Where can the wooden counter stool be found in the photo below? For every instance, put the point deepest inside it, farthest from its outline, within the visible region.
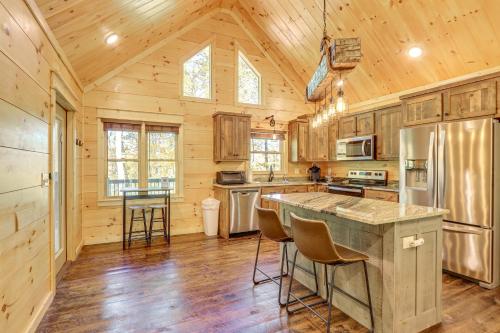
(314, 241)
(163, 219)
(272, 229)
(134, 218)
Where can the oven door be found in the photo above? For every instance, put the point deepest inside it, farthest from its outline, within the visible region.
(358, 148)
(353, 192)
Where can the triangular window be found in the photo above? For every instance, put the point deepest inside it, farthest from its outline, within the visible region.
(197, 75)
(249, 81)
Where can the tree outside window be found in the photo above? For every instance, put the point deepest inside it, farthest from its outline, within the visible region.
(266, 152)
(196, 75)
(249, 82)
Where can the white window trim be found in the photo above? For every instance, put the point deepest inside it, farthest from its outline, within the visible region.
(238, 50)
(142, 117)
(182, 60)
(284, 161)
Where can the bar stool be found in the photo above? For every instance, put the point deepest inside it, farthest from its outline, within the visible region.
(133, 218)
(272, 229)
(314, 241)
(163, 219)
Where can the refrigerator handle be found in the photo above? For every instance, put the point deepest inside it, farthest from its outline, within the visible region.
(441, 167)
(431, 181)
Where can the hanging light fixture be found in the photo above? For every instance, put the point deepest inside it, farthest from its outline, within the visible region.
(324, 114)
(341, 106)
(331, 107)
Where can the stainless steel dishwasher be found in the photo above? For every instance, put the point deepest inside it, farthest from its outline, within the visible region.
(243, 217)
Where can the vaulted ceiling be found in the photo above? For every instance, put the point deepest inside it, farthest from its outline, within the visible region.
(457, 36)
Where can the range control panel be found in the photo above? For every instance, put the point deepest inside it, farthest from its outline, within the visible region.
(367, 174)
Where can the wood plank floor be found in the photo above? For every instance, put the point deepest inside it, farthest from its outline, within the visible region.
(204, 285)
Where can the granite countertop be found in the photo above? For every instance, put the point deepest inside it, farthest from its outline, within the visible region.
(268, 184)
(370, 211)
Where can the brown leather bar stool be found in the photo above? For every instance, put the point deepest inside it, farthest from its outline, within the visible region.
(134, 218)
(272, 229)
(163, 219)
(314, 241)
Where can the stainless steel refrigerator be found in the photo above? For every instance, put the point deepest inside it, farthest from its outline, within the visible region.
(452, 165)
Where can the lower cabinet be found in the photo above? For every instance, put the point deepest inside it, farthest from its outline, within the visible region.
(381, 195)
(271, 190)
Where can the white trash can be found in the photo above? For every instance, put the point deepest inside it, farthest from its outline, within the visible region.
(210, 207)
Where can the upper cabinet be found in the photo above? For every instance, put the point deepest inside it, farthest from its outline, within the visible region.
(298, 131)
(356, 125)
(423, 109)
(317, 149)
(231, 136)
(471, 100)
(388, 123)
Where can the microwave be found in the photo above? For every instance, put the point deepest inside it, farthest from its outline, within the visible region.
(357, 148)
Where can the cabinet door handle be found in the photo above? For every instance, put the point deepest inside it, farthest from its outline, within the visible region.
(438, 115)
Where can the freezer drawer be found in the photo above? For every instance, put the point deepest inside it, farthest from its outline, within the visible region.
(468, 251)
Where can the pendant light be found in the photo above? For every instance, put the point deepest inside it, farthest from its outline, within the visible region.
(331, 107)
(324, 113)
(341, 106)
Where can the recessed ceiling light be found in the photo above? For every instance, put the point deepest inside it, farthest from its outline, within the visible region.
(415, 52)
(111, 39)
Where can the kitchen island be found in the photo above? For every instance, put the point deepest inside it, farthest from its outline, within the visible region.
(404, 244)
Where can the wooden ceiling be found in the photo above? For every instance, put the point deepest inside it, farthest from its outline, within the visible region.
(457, 36)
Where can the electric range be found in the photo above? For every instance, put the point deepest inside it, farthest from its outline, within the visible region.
(356, 180)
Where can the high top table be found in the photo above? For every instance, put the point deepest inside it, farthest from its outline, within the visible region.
(133, 193)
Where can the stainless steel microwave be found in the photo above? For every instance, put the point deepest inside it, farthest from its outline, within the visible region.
(357, 148)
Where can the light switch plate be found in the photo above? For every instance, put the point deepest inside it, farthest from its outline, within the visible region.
(45, 179)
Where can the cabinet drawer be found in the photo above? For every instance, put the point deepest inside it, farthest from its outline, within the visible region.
(272, 189)
(381, 195)
(296, 189)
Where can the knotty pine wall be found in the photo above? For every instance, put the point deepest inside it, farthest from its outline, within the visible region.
(26, 61)
(152, 85)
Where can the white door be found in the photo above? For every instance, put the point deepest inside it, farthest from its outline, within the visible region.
(59, 188)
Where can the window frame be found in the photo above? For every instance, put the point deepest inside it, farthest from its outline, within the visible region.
(239, 51)
(143, 118)
(184, 59)
(283, 153)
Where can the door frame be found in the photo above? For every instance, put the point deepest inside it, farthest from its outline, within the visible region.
(64, 95)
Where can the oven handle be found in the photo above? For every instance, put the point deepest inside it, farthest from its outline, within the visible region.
(343, 189)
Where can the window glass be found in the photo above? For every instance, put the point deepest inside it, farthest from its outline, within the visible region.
(122, 161)
(265, 153)
(196, 75)
(248, 82)
(162, 148)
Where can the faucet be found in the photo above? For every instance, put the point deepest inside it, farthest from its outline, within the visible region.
(271, 174)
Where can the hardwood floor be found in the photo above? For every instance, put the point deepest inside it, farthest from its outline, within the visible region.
(204, 285)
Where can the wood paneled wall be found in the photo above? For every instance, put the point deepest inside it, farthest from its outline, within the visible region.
(27, 62)
(153, 85)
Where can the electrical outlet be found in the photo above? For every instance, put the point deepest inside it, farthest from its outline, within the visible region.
(296, 171)
(329, 171)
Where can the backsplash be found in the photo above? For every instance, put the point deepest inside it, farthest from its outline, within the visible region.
(341, 168)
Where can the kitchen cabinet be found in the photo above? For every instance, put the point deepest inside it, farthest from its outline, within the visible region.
(388, 124)
(222, 194)
(365, 124)
(333, 135)
(321, 188)
(231, 136)
(296, 188)
(471, 100)
(317, 145)
(381, 195)
(347, 127)
(423, 109)
(357, 125)
(298, 140)
(271, 190)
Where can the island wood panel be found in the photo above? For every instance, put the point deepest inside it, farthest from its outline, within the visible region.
(103, 224)
(29, 64)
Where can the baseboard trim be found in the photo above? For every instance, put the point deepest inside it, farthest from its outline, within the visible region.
(37, 319)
